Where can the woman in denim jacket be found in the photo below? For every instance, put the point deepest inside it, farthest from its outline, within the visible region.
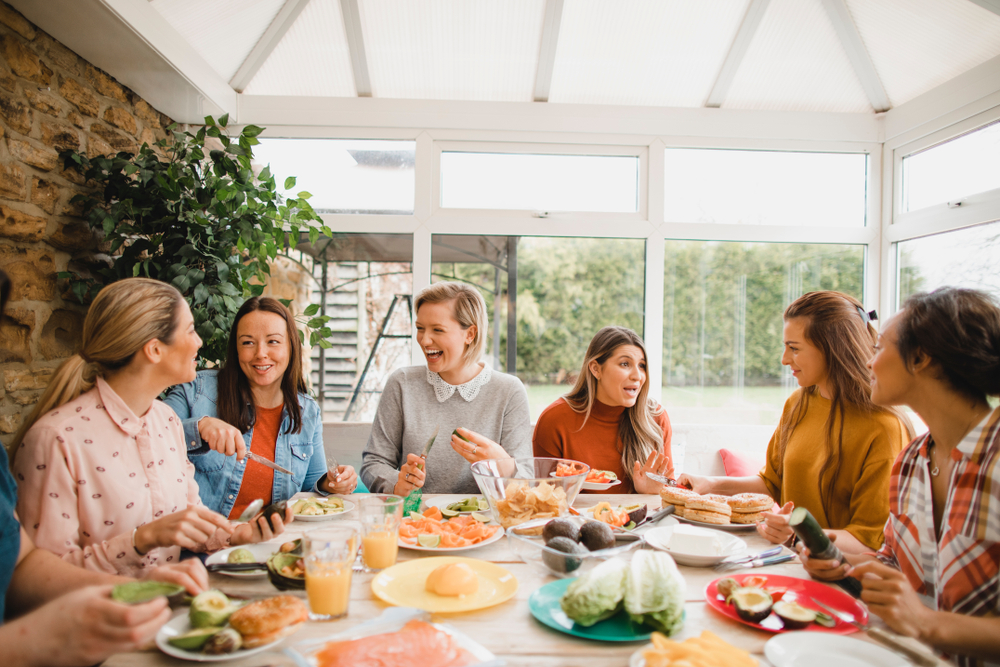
(256, 402)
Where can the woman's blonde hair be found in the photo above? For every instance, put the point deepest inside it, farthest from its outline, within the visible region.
(469, 309)
(125, 316)
(638, 430)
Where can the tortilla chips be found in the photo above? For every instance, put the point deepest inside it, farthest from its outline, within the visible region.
(523, 503)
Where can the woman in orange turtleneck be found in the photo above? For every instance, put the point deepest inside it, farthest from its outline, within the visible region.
(607, 420)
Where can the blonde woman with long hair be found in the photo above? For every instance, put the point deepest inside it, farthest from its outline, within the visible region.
(608, 420)
(833, 449)
(102, 470)
(454, 391)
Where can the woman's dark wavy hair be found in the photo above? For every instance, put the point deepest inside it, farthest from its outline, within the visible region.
(236, 405)
(960, 330)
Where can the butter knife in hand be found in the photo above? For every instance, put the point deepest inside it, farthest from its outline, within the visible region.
(270, 464)
(661, 479)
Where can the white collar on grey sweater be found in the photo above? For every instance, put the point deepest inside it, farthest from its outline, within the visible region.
(443, 391)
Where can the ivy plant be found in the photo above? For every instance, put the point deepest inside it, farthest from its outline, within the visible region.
(197, 218)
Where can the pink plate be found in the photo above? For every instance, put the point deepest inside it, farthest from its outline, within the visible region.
(799, 590)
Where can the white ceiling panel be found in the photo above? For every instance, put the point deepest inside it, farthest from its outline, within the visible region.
(312, 59)
(647, 52)
(919, 44)
(797, 63)
(223, 32)
(452, 49)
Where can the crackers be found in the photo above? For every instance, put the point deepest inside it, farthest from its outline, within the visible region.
(523, 503)
(743, 508)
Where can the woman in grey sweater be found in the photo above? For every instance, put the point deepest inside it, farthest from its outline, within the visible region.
(456, 390)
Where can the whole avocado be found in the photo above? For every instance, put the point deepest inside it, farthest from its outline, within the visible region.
(597, 535)
(275, 508)
(560, 528)
(558, 562)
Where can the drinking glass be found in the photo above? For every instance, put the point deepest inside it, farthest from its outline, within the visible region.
(329, 559)
(381, 515)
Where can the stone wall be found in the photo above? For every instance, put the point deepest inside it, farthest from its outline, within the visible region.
(50, 100)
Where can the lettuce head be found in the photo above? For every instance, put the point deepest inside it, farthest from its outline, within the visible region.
(655, 591)
(597, 594)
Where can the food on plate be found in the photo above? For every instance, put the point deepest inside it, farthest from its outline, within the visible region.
(709, 503)
(825, 620)
(601, 477)
(636, 513)
(138, 592)
(596, 536)
(556, 561)
(706, 650)
(523, 503)
(568, 469)
(241, 555)
(417, 643)
(289, 547)
(676, 495)
(650, 589)
(756, 581)
(715, 518)
(605, 514)
(695, 541)
(752, 604)
(193, 640)
(470, 504)
(750, 503)
(452, 580)
(747, 517)
(726, 587)
(793, 615)
(278, 508)
(210, 609)
(265, 621)
(286, 571)
(318, 506)
(561, 528)
(454, 533)
(223, 641)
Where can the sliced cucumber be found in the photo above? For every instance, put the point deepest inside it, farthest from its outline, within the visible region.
(825, 620)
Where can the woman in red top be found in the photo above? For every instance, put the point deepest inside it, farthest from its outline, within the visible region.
(607, 420)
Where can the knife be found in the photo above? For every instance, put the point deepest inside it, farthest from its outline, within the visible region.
(653, 518)
(235, 567)
(737, 561)
(270, 464)
(882, 637)
(774, 560)
(661, 479)
(430, 443)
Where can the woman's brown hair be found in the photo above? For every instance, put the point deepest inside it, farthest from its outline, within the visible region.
(836, 324)
(638, 430)
(235, 403)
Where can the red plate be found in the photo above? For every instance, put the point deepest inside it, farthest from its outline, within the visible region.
(800, 590)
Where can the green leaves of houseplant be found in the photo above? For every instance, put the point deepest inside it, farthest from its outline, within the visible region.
(191, 212)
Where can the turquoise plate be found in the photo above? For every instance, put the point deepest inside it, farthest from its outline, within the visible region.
(544, 605)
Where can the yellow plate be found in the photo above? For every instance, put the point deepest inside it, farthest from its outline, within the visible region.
(403, 585)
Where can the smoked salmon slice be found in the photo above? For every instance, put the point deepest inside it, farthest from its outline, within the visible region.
(417, 643)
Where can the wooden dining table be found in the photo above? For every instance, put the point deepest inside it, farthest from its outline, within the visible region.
(508, 629)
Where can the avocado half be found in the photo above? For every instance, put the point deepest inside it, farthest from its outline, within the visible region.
(752, 604)
(794, 615)
(280, 581)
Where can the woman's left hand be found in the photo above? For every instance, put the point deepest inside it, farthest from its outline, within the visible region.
(658, 464)
(258, 530)
(890, 596)
(190, 574)
(346, 480)
(476, 447)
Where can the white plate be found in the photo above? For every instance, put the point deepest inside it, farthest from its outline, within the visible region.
(261, 552)
(819, 649)
(594, 486)
(659, 538)
(348, 506)
(731, 527)
(416, 547)
(637, 659)
(179, 626)
(442, 502)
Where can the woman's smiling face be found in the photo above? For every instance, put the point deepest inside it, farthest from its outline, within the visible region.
(263, 346)
(621, 376)
(442, 338)
(807, 361)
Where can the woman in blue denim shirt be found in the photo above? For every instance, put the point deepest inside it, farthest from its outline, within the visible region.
(260, 382)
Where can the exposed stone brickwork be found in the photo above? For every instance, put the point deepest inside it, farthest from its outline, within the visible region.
(50, 100)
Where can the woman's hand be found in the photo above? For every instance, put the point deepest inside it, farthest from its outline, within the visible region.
(476, 447)
(658, 464)
(343, 480)
(188, 528)
(697, 483)
(222, 437)
(775, 526)
(190, 574)
(259, 530)
(411, 475)
(890, 596)
(824, 570)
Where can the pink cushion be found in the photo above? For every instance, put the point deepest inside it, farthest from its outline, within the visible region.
(740, 465)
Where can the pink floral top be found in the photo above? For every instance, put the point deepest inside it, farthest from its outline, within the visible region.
(90, 471)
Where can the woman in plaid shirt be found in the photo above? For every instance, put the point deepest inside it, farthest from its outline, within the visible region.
(940, 355)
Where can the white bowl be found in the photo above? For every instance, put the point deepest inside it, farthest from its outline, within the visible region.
(659, 538)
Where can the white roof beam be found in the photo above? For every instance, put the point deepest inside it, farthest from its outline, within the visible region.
(547, 49)
(356, 45)
(755, 12)
(266, 44)
(850, 38)
(989, 5)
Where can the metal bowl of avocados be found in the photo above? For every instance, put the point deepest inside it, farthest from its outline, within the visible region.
(138, 592)
(283, 582)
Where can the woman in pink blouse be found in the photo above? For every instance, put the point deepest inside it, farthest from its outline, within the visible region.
(102, 471)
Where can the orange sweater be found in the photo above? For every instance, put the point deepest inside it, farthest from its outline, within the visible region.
(259, 479)
(558, 433)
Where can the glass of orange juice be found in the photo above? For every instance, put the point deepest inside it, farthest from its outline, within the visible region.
(329, 559)
(381, 515)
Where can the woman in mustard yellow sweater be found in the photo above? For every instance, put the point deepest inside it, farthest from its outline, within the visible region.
(833, 449)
